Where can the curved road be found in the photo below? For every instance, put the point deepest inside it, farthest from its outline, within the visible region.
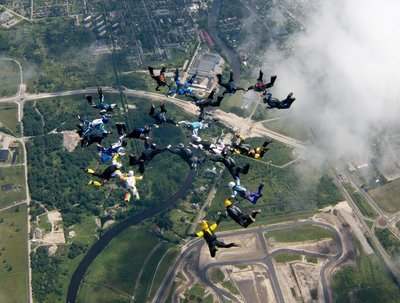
(98, 247)
(266, 260)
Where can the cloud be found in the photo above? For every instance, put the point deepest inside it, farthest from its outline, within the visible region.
(344, 70)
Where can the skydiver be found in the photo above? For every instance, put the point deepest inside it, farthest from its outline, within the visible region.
(103, 106)
(151, 150)
(241, 147)
(160, 79)
(275, 103)
(86, 126)
(207, 233)
(136, 132)
(195, 126)
(260, 86)
(238, 189)
(115, 148)
(92, 131)
(233, 169)
(130, 183)
(187, 154)
(160, 117)
(238, 216)
(230, 87)
(203, 145)
(181, 88)
(203, 103)
(113, 171)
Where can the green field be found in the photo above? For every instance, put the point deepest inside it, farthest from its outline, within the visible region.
(12, 175)
(163, 266)
(9, 118)
(9, 78)
(299, 234)
(364, 206)
(287, 126)
(285, 257)
(117, 268)
(216, 275)
(368, 282)
(44, 223)
(13, 255)
(387, 196)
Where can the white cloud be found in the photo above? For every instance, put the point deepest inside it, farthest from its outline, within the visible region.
(344, 70)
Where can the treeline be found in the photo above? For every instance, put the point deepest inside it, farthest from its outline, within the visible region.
(32, 121)
(388, 241)
(45, 271)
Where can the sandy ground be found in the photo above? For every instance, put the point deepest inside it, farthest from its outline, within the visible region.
(56, 236)
(307, 277)
(253, 283)
(70, 140)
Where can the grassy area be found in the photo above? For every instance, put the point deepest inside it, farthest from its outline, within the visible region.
(9, 118)
(311, 259)
(287, 126)
(12, 175)
(285, 257)
(367, 282)
(231, 287)
(195, 293)
(299, 234)
(216, 275)
(163, 267)
(118, 266)
(364, 206)
(369, 223)
(387, 195)
(44, 223)
(9, 78)
(13, 255)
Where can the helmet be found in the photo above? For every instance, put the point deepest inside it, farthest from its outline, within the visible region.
(153, 146)
(204, 224)
(130, 173)
(180, 145)
(231, 184)
(124, 143)
(227, 203)
(105, 119)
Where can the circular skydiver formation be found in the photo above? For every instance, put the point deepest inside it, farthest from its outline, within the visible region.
(95, 131)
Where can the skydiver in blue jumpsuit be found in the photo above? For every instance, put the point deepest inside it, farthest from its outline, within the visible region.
(181, 88)
(103, 106)
(160, 117)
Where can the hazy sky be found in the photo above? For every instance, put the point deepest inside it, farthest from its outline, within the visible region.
(344, 71)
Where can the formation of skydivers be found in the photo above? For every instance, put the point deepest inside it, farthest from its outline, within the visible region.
(95, 131)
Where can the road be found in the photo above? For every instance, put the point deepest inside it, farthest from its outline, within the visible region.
(266, 260)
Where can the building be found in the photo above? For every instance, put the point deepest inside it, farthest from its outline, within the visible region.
(4, 155)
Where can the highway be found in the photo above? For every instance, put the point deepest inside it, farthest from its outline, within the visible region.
(266, 260)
